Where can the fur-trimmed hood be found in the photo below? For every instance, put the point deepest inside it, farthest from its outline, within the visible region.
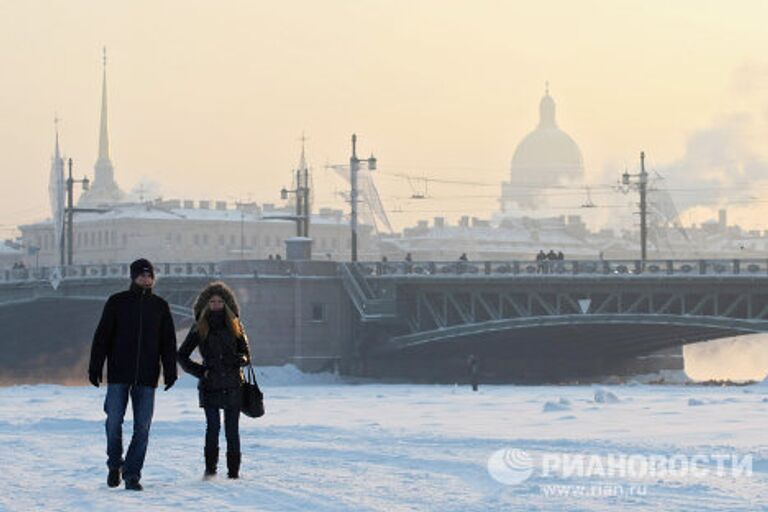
(222, 290)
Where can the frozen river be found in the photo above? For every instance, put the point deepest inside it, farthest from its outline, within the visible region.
(329, 446)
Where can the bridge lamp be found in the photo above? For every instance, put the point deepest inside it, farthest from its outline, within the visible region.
(86, 184)
(625, 178)
(283, 194)
(372, 162)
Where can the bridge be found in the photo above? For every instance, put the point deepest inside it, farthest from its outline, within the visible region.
(561, 317)
(549, 320)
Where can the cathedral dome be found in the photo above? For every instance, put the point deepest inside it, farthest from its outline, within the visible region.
(546, 157)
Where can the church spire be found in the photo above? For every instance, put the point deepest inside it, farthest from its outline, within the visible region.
(56, 192)
(56, 151)
(104, 189)
(103, 132)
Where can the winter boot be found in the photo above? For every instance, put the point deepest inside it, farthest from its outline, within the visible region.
(113, 478)
(233, 464)
(211, 460)
(132, 484)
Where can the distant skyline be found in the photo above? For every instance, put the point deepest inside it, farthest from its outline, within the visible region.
(209, 100)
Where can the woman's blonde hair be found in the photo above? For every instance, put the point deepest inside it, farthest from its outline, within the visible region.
(233, 323)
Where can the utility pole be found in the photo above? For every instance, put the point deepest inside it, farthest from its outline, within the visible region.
(639, 181)
(643, 208)
(299, 208)
(305, 203)
(70, 210)
(244, 208)
(70, 214)
(242, 233)
(302, 203)
(354, 167)
(354, 162)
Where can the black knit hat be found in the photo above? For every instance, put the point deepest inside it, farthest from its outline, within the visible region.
(140, 266)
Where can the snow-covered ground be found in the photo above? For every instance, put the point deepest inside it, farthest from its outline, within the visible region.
(328, 445)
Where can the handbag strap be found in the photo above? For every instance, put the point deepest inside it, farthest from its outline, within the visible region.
(250, 375)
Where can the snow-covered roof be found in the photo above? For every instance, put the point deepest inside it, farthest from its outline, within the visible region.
(150, 212)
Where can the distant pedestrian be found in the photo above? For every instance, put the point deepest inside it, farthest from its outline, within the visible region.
(551, 255)
(136, 337)
(463, 257)
(560, 255)
(473, 368)
(408, 258)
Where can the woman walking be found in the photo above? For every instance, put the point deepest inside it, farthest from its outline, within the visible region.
(222, 343)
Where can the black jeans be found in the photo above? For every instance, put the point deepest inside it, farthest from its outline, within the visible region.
(231, 428)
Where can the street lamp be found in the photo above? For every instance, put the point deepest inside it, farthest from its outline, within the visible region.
(639, 182)
(354, 167)
(302, 202)
(70, 210)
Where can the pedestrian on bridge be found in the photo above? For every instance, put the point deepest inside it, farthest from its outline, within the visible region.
(135, 336)
(222, 343)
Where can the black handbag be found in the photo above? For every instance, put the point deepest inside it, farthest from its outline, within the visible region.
(252, 403)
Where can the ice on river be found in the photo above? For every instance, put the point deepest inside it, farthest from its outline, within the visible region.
(328, 445)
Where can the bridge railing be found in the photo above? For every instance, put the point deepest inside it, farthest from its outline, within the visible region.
(722, 267)
(106, 271)
(567, 267)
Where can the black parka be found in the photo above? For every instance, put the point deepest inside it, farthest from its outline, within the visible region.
(224, 354)
(135, 335)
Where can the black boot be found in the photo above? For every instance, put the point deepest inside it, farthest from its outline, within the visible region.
(233, 464)
(113, 478)
(133, 484)
(211, 460)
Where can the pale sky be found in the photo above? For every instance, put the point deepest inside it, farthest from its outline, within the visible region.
(208, 99)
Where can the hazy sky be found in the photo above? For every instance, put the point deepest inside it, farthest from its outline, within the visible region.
(209, 99)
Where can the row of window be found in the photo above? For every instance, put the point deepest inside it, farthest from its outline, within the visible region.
(83, 239)
(252, 241)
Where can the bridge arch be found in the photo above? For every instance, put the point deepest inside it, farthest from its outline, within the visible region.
(627, 333)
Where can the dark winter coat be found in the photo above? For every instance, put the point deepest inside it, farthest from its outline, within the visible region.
(223, 353)
(135, 335)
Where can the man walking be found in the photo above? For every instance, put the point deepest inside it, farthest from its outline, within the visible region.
(135, 335)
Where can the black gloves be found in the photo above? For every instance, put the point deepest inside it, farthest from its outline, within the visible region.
(94, 377)
(169, 384)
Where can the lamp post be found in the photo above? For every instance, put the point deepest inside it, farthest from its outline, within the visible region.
(639, 181)
(302, 201)
(354, 167)
(70, 210)
(243, 207)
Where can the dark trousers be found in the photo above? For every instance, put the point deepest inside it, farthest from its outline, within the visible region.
(143, 402)
(231, 428)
